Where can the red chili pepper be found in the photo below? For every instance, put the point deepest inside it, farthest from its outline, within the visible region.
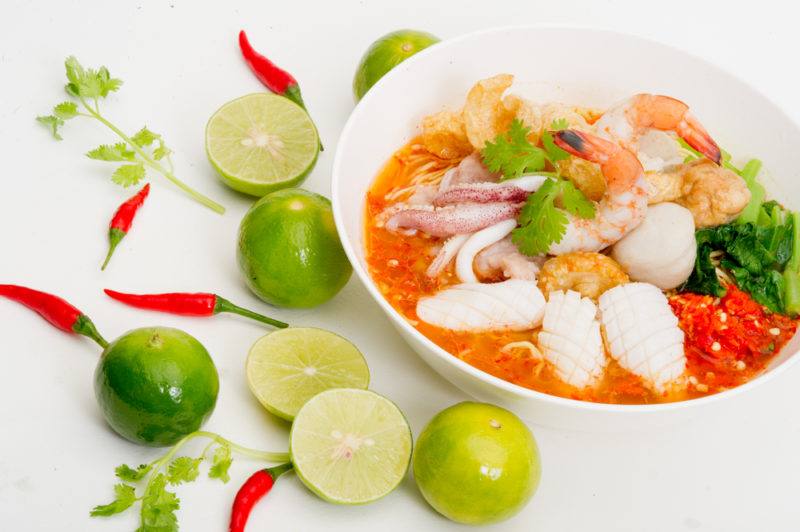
(195, 304)
(123, 219)
(271, 75)
(55, 310)
(254, 488)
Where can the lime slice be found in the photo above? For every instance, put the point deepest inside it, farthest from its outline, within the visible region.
(261, 142)
(288, 367)
(350, 446)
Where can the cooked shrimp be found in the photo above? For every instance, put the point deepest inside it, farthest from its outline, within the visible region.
(590, 274)
(629, 121)
(503, 259)
(623, 204)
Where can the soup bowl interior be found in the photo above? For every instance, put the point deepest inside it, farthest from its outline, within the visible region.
(571, 65)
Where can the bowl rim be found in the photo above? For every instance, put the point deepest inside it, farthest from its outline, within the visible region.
(506, 386)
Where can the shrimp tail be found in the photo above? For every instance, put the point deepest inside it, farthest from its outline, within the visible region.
(584, 145)
(698, 138)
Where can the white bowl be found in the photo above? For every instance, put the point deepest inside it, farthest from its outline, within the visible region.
(585, 66)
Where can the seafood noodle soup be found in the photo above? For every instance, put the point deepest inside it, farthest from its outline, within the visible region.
(611, 255)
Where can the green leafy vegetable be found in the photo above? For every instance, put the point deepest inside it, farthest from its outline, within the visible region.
(512, 154)
(125, 496)
(129, 474)
(145, 148)
(158, 503)
(542, 223)
(757, 192)
(221, 464)
(554, 153)
(753, 255)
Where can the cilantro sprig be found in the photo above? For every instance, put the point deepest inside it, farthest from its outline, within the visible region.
(138, 153)
(543, 219)
(158, 502)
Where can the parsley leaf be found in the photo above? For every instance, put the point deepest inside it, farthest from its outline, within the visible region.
(117, 152)
(159, 506)
(183, 469)
(129, 474)
(53, 123)
(512, 154)
(221, 463)
(542, 223)
(554, 153)
(125, 497)
(128, 174)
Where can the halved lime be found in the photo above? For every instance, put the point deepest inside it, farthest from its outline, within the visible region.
(350, 446)
(288, 367)
(261, 142)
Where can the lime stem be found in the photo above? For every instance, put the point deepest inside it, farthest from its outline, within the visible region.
(155, 165)
(223, 305)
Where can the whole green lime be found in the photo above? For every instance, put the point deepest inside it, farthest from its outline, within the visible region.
(156, 385)
(385, 54)
(289, 251)
(476, 463)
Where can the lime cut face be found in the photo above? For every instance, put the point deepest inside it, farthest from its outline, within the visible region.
(288, 367)
(261, 142)
(350, 446)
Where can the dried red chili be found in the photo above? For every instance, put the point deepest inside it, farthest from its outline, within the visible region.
(55, 310)
(189, 304)
(123, 219)
(252, 491)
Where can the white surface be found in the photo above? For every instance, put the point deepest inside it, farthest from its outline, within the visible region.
(735, 471)
(389, 116)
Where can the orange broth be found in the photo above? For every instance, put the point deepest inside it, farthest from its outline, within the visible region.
(397, 264)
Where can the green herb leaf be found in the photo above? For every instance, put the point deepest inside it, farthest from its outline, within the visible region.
(128, 174)
(88, 82)
(66, 110)
(145, 137)
(161, 151)
(117, 152)
(125, 497)
(542, 223)
(129, 474)
(512, 154)
(574, 202)
(183, 469)
(554, 153)
(159, 506)
(53, 123)
(221, 463)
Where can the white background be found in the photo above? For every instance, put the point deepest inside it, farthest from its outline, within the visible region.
(737, 471)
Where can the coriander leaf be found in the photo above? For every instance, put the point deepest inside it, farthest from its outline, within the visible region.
(107, 83)
(117, 152)
(125, 497)
(221, 463)
(159, 506)
(183, 469)
(541, 223)
(161, 151)
(75, 75)
(53, 123)
(145, 137)
(574, 202)
(554, 153)
(129, 474)
(66, 110)
(512, 154)
(128, 174)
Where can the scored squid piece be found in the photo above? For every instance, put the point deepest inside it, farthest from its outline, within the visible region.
(513, 305)
(513, 190)
(452, 220)
(643, 333)
(570, 339)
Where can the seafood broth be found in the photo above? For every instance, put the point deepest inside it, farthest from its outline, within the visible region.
(398, 264)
